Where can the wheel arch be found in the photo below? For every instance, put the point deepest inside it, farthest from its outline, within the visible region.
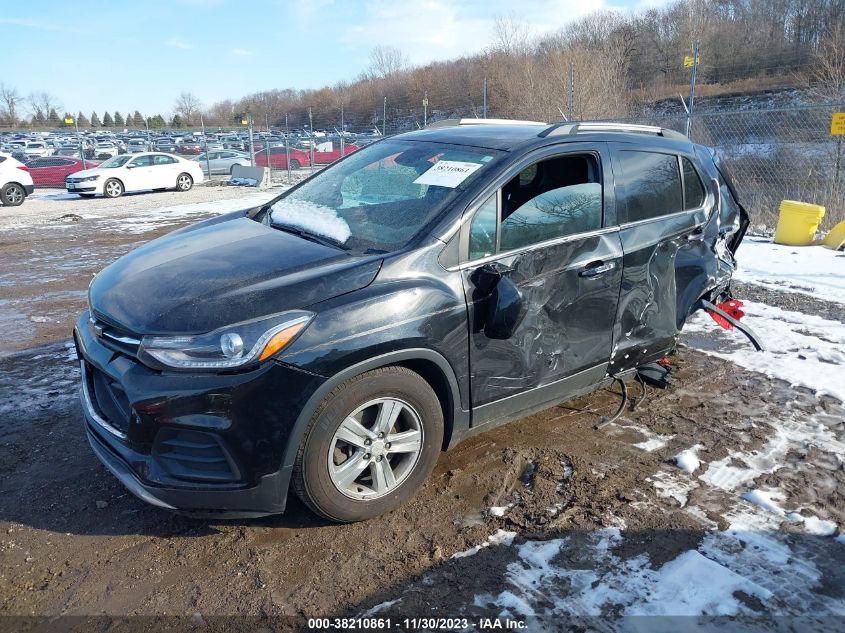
(429, 364)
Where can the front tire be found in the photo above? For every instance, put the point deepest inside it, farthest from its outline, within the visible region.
(295, 164)
(370, 445)
(184, 182)
(12, 195)
(112, 188)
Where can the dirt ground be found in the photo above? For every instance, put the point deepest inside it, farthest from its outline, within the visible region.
(73, 541)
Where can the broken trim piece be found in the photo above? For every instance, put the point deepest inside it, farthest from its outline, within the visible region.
(749, 333)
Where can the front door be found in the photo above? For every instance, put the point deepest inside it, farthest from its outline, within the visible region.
(547, 232)
(138, 172)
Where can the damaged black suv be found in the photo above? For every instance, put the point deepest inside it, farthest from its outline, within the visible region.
(427, 287)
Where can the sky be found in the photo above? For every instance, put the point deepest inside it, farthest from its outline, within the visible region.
(129, 54)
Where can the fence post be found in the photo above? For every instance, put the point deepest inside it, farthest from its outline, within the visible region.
(485, 97)
(342, 132)
(311, 143)
(571, 101)
(384, 118)
(205, 141)
(267, 147)
(287, 146)
(692, 87)
(425, 109)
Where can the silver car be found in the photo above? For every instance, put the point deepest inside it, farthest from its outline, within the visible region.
(222, 161)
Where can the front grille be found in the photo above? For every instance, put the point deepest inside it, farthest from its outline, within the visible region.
(194, 456)
(115, 338)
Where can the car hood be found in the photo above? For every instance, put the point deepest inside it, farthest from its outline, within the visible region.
(220, 273)
(85, 173)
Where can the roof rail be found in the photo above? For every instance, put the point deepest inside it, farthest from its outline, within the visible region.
(457, 122)
(561, 129)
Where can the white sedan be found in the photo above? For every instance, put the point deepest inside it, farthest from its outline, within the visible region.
(135, 172)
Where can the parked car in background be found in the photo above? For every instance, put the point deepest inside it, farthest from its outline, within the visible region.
(164, 145)
(136, 172)
(51, 171)
(222, 161)
(71, 151)
(105, 150)
(326, 153)
(137, 145)
(278, 158)
(15, 181)
(190, 148)
(38, 148)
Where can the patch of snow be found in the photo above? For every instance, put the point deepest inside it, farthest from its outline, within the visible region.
(311, 217)
(766, 499)
(814, 525)
(802, 349)
(498, 511)
(671, 486)
(653, 441)
(812, 270)
(499, 537)
(378, 608)
(687, 460)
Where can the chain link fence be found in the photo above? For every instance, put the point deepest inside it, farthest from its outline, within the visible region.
(774, 155)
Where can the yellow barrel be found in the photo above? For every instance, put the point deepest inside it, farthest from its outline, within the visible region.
(797, 223)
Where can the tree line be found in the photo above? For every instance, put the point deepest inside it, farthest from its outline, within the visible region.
(606, 64)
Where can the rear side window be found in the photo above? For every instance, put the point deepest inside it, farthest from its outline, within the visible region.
(2, 158)
(650, 185)
(693, 189)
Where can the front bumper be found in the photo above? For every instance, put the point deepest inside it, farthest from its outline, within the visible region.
(201, 443)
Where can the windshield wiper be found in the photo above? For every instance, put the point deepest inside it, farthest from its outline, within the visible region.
(308, 235)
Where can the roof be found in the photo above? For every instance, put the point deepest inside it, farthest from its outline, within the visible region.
(505, 136)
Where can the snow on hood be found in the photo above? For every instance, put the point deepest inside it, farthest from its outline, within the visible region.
(311, 217)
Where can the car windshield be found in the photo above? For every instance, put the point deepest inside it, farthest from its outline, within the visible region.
(117, 161)
(382, 196)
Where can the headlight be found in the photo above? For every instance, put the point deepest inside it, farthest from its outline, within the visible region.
(229, 347)
(88, 179)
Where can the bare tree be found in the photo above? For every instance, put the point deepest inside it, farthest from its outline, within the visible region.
(386, 62)
(828, 78)
(10, 99)
(187, 107)
(511, 35)
(41, 103)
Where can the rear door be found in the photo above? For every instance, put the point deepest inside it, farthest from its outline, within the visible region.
(663, 205)
(548, 229)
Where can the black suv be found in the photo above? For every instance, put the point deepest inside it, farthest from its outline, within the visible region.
(427, 287)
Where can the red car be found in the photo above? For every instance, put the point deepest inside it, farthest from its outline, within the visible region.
(190, 148)
(50, 171)
(278, 158)
(330, 156)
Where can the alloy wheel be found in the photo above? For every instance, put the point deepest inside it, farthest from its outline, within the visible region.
(375, 448)
(14, 195)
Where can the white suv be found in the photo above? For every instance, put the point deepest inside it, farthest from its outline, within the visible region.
(15, 181)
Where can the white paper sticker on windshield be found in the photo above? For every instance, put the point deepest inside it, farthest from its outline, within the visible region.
(448, 173)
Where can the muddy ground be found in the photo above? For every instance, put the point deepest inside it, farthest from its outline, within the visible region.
(73, 541)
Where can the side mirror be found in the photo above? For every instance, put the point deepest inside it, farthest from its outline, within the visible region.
(505, 310)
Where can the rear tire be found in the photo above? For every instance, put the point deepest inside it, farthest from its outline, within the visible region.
(386, 426)
(12, 195)
(184, 182)
(113, 188)
(295, 164)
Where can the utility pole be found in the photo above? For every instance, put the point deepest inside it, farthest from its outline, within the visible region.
(287, 145)
(571, 104)
(205, 140)
(79, 140)
(342, 132)
(384, 119)
(251, 142)
(311, 144)
(485, 97)
(425, 109)
(267, 147)
(692, 86)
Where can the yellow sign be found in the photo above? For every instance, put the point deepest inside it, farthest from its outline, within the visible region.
(244, 121)
(68, 120)
(688, 61)
(837, 124)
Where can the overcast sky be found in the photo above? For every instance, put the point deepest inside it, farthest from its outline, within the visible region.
(123, 55)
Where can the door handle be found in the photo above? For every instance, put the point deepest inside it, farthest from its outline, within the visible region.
(596, 268)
